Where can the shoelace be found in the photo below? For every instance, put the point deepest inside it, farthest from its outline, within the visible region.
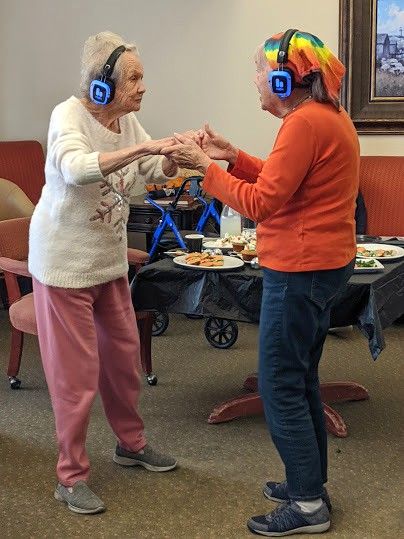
(272, 515)
(282, 517)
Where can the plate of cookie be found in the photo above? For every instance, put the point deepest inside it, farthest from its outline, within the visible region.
(208, 261)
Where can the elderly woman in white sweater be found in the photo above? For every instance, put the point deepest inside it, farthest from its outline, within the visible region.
(98, 156)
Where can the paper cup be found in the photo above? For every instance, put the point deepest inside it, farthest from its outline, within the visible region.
(194, 242)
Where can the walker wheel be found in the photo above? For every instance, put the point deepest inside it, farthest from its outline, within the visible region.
(151, 379)
(221, 333)
(15, 383)
(160, 324)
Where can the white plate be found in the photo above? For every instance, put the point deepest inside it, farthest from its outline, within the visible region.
(173, 254)
(395, 238)
(238, 255)
(229, 263)
(398, 251)
(378, 266)
(214, 244)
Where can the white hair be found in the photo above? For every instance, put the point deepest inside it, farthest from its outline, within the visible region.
(96, 51)
(259, 56)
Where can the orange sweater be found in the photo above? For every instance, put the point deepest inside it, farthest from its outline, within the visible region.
(303, 196)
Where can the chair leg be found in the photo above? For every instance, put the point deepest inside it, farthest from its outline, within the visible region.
(3, 293)
(17, 342)
(145, 326)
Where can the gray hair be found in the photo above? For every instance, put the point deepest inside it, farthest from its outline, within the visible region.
(259, 56)
(96, 51)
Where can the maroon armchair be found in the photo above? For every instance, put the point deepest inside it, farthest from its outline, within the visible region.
(23, 163)
(13, 262)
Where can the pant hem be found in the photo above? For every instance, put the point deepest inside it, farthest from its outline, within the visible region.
(127, 448)
(69, 484)
(305, 498)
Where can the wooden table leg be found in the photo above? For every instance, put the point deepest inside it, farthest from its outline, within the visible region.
(343, 392)
(244, 406)
(334, 422)
(251, 404)
(251, 382)
(330, 391)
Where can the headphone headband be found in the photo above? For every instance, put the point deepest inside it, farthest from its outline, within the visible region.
(110, 63)
(284, 46)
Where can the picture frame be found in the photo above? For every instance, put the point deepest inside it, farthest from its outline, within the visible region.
(371, 59)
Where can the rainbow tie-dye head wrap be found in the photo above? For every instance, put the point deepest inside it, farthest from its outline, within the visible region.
(308, 54)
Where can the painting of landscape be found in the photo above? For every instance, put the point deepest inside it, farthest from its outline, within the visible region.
(389, 49)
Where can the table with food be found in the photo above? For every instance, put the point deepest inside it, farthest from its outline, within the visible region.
(372, 300)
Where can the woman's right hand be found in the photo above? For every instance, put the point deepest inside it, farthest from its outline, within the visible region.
(217, 147)
(153, 147)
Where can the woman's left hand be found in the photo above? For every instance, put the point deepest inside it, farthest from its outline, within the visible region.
(187, 154)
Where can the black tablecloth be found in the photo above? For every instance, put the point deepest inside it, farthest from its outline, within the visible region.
(371, 301)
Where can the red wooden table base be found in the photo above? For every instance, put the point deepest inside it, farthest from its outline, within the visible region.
(251, 404)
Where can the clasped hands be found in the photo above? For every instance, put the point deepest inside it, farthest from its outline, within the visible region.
(195, 149)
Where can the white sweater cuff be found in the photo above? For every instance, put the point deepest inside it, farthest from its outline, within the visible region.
(93, 171)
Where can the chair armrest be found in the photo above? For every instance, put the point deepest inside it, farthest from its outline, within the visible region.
(137, 257)
(19, 267)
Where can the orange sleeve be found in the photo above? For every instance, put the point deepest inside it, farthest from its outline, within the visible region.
(280, 177)
(247, 167)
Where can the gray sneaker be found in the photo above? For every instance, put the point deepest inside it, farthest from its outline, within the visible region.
(147, 457)
(278, 492)
(79, 498)
(288, 519)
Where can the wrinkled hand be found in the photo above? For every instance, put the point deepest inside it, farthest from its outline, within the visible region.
(216, 146)
(169, 166)
(154, 147)
(186, 153)
(196, 136)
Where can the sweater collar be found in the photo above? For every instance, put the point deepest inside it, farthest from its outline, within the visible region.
(104, 131)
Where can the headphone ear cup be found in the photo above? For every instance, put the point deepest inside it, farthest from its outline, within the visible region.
(281, 82)
(102, 91)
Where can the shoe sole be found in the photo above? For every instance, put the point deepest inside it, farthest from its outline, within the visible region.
(78, 510)
(316, 528)
(126, 461)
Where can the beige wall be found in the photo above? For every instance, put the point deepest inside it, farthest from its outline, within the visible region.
(197, 57)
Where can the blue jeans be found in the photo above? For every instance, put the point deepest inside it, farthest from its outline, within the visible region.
(295, 318)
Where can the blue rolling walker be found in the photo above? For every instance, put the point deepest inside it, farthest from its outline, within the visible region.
(219, 332)
(167, 221)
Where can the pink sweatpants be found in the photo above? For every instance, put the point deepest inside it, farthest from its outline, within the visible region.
(89, 340)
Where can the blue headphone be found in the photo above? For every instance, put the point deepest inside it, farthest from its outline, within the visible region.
(282, 81)
(102, 90)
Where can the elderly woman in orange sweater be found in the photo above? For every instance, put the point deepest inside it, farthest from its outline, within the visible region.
(303, 197)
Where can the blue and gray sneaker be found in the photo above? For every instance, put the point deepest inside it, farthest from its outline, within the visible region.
(278, 492)
(288, 519)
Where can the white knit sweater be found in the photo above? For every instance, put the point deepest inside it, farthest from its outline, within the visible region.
(78, 229)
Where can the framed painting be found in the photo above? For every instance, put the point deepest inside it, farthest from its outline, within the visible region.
(372, 48)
